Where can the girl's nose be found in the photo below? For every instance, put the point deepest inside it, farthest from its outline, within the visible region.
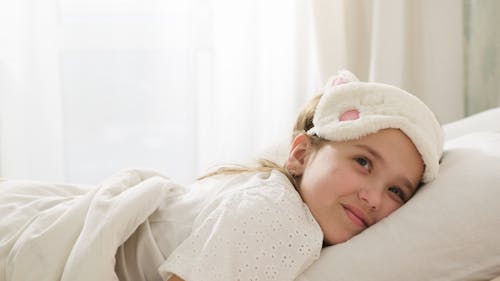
(371, 196)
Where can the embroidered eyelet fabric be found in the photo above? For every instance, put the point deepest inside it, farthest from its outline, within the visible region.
(257, 233)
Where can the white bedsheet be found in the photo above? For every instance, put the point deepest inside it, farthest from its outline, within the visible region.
(72, 232)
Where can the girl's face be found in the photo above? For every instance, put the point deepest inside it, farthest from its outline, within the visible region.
(351, 185)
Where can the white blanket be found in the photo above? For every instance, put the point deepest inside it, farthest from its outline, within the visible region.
(70, 232)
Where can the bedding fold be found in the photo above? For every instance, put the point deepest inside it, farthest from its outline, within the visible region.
(72, 232)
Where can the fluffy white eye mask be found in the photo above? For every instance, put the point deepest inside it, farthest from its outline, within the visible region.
(350, 109)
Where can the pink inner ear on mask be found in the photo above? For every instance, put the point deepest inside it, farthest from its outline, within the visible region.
(349, 115)
(339, 81)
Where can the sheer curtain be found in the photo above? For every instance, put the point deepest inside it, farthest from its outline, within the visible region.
(91, 87)
(446, 52)
(416, 45)
(30, 104)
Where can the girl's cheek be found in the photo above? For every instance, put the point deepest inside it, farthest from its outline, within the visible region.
(391, 206)
(354, 178)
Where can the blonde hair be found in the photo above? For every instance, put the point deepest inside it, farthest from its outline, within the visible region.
(304, 120)
(303, 123)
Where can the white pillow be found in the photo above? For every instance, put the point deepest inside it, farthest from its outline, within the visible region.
(482, 121)
(450, 230)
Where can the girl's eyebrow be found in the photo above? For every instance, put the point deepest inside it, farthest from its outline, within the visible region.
(371, 151)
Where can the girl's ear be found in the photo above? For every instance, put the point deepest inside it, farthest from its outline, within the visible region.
(301, 145)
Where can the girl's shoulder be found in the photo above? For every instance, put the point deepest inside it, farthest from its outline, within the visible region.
(271, 191)
(269, 183)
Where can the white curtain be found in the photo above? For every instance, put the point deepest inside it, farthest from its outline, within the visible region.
(416, 45)
(30, 104)
(88, 87)
(91, 87)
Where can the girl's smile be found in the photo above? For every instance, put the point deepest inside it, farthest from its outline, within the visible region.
(356, 215)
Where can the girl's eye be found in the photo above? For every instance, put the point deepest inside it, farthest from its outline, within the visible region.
(398, 191)
(365, 163)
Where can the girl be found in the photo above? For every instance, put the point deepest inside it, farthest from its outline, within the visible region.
(359, 152)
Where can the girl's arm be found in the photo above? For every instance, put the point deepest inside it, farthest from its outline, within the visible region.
(175, 278)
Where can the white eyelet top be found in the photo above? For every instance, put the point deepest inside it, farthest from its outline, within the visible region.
(250, 226)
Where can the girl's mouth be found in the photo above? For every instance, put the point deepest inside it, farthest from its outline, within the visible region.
(356, 216)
